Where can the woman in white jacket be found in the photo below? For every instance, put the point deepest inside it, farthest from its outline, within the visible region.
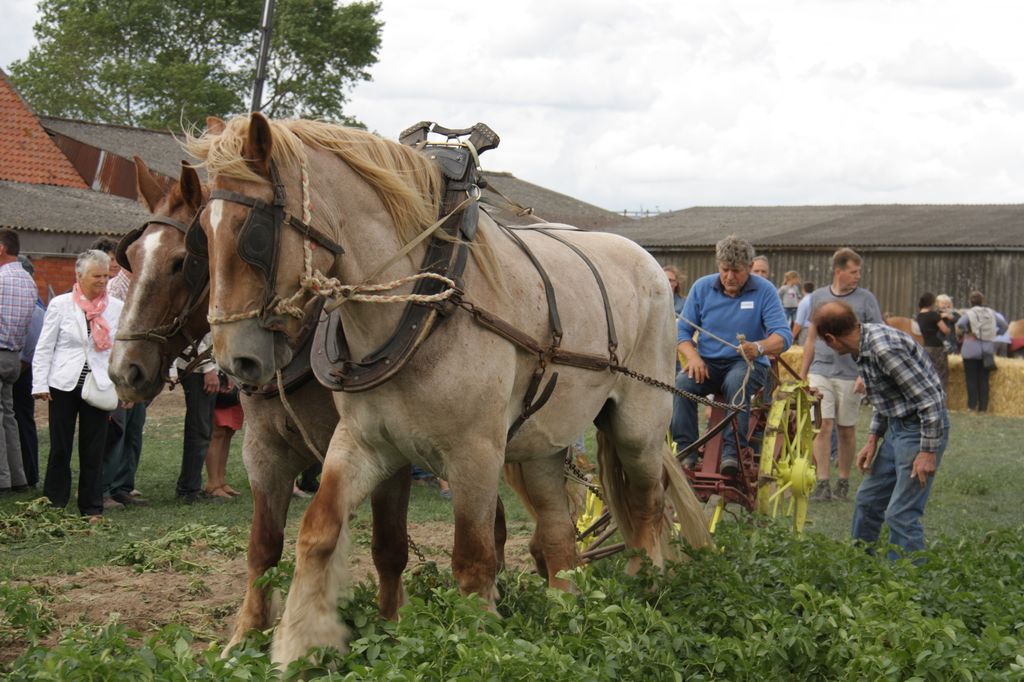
(76, 338)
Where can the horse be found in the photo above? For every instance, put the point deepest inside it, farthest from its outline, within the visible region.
(164, 312)
(354, 199)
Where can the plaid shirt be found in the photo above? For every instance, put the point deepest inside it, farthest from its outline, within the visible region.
(118, 287)
(901, 382)
(18, 295)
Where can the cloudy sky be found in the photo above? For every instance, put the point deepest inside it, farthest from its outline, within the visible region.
(665, 104)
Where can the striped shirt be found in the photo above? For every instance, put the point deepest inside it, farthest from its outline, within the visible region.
(901, 382)
(17, 300)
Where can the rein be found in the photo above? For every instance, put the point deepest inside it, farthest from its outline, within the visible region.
(737, 397)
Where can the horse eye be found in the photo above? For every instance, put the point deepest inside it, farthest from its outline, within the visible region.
(176, 265)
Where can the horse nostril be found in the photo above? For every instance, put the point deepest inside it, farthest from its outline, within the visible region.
(247, 368)
(135, 375)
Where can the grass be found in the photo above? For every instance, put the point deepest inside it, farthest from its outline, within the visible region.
(978, 488)
(158, 471)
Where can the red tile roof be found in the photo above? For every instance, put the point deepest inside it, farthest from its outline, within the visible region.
(27, 154)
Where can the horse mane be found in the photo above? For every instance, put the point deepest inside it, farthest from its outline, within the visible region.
(407, 183)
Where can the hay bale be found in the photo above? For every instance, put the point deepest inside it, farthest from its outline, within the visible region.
(1005, 386)
(1016, 329)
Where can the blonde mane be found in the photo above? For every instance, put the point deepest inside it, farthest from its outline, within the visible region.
(406, 181)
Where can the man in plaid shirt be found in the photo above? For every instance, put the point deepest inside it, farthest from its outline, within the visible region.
(910, 417)
(17, 302)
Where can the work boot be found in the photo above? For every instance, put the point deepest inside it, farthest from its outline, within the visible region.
(111, 503)
(822, 492)
(842, 491)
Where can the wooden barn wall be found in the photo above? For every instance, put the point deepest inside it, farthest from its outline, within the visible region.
(897, 278)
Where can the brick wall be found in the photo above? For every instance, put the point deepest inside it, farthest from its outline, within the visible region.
(57, 272)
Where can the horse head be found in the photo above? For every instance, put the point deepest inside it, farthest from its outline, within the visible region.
(166, 304)
(284, 197)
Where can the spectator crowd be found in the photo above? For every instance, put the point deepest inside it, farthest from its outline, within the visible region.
(59, 353)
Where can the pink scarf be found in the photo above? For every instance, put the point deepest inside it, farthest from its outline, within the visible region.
(94, 313)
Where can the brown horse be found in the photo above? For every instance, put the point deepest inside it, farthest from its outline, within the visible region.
(453, 403)
(272, 448)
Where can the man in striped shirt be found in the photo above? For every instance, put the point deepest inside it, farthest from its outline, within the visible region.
(910, 418)
(17, 302)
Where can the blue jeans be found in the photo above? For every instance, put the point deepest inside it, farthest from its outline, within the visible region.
(122, 460)
(889, 494)
(725, 377)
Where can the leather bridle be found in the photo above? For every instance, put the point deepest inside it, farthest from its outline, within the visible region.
(195, 269)
(259, 243)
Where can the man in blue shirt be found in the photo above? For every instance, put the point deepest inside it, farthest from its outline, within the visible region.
(745, 312)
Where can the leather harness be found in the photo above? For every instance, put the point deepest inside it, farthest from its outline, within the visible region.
(331, 359)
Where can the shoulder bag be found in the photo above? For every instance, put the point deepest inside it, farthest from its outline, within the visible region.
(101, 398)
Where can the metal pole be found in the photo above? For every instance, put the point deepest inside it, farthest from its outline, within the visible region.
(261, 65)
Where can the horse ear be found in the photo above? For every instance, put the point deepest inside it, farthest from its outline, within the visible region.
(190, 186)
(258, 145)
(214, 125)
(150, 190)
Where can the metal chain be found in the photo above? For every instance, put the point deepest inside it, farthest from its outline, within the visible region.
(573, 472)
(671, 389)
(416, 549)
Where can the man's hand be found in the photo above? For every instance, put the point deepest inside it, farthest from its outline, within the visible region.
(866, 456)
(924, 466)
(697, 370)
(749, 350)
(858, 386)
(211, 384)
(41, 396)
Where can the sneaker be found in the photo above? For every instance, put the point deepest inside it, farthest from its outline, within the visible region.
(822, 492)
(730, 466)
(842, 491)
(111, 503)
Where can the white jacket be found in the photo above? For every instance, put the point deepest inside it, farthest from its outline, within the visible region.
(60, 351)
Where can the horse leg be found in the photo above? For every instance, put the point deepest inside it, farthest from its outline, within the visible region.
(474, 557)
(631, 475)
(271, 468)
(390, 546)
(310, 616)
(541, 487)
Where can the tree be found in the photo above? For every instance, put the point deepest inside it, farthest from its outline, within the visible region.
(159, 63)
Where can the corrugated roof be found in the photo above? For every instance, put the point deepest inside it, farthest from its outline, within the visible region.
(158, 148)
(27, 154)
(897, 225)
(46, 208)
(547, 204)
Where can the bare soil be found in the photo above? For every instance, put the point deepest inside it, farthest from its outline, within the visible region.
(205, 602)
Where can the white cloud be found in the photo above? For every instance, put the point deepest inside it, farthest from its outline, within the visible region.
(628, 104)
(946, 66)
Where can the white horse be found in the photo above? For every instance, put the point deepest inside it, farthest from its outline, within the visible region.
(451, 406)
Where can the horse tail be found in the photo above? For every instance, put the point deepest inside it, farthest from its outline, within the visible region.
(689, 515)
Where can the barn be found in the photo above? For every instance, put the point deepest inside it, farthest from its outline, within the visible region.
(63, 183)
(907, 249)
